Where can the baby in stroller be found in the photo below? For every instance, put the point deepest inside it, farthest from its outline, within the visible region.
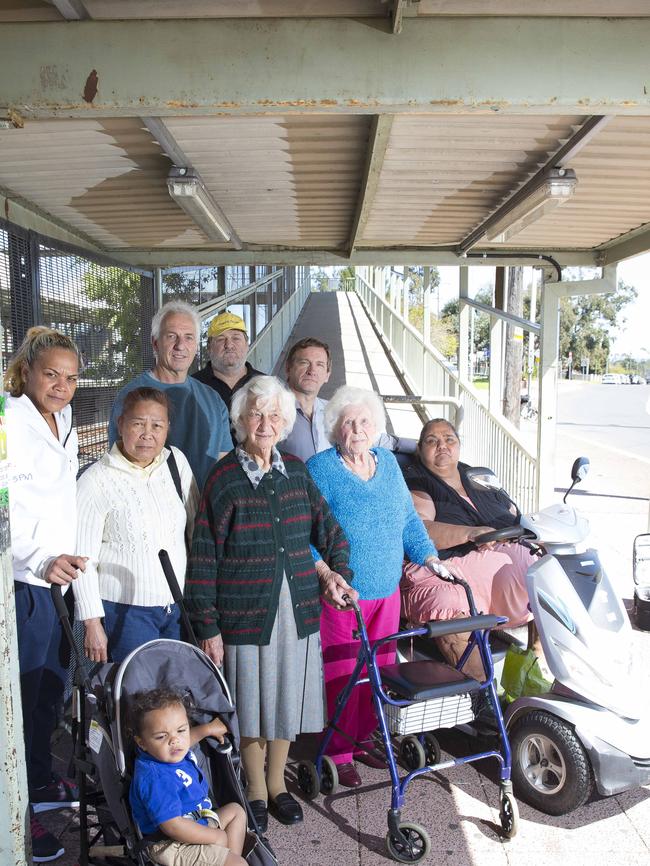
(169, 793)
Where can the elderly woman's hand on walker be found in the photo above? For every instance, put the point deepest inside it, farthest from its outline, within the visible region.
(333, 587)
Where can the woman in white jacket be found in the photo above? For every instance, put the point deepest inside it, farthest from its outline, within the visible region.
(41, 380)
(130, 504)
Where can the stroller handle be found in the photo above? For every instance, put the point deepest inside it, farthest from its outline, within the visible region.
(59, 602)
(177, 595)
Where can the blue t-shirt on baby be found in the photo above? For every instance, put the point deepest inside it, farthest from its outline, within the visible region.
(161, 791)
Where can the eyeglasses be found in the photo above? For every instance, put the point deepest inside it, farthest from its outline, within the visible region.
(256, 415)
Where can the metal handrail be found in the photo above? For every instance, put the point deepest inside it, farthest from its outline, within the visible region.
(216, 305)
(490, 440)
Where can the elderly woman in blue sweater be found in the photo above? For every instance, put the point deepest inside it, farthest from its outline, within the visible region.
(366, 492)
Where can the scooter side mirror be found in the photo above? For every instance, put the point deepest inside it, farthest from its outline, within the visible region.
(482, 478)
(579, 469)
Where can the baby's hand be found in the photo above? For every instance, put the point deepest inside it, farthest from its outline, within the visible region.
(216, 729)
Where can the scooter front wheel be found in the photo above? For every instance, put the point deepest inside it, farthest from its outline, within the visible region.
(550, 768)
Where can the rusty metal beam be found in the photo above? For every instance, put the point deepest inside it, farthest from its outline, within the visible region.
(243, 67)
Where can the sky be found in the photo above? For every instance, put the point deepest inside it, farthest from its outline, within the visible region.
(632, 338)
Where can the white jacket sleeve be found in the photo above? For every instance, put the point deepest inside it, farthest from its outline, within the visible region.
(91, 518)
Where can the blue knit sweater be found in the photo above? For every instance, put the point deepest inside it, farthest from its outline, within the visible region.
(377, 517)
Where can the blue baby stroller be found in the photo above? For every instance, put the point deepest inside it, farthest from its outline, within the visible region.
(102, 755)
(414, 698)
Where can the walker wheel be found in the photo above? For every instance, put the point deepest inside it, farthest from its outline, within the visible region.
(411, 753)
(410, 845)
(432, 750)
(508, 814)
(308, 780)
(329, 780)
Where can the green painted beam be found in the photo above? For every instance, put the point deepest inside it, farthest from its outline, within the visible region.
(277, 256)
(631, 244)
(516, 65)
(24, 214)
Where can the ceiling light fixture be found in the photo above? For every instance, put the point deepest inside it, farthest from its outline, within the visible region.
(188, 191)
(555, 187)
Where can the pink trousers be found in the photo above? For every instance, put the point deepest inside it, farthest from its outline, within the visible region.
(340, 652)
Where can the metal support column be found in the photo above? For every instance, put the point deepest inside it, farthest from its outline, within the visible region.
(464, 312)
(14, 807)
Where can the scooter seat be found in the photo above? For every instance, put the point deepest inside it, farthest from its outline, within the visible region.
(421, 680)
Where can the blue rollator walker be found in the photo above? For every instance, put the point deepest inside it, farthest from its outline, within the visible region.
(417, 697)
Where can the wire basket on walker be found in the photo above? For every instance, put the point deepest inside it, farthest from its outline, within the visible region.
(412, 699)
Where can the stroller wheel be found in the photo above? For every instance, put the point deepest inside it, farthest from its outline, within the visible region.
(329, 780)
(411, 753)
(432, 750)
(308, 780)
(410, 846)
(508, 814)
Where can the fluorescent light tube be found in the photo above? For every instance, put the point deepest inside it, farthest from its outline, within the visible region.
(555, 188)
(188, 191)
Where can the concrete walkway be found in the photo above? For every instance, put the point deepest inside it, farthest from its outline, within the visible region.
(459, 808)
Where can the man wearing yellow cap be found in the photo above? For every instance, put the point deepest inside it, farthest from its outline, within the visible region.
(228, 368)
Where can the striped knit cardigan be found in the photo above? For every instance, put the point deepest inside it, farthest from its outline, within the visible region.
(246, 539)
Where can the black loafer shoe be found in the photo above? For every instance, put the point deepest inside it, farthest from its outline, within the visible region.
(285, 809)
(260, 813)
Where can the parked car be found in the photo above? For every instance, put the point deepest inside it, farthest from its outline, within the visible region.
(638, 380)
(610, 379)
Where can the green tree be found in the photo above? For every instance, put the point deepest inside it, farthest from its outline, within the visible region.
(587, 323)
(120, 293)
(345, 275)
(450, 311)
(320, 280)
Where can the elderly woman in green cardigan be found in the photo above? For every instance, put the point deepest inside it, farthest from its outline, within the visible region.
(254, 594)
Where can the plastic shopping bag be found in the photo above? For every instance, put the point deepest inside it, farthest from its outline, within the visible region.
(522, 675)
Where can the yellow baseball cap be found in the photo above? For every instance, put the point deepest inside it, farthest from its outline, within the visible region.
(226, 322)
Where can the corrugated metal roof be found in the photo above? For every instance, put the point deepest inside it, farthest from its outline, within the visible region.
(442, 176)
(290, 180)
(294, 181)
(613, 192)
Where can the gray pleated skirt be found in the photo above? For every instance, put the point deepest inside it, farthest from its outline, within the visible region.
(278, 689)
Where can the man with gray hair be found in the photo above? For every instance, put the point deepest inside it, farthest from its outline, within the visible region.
(199, 424)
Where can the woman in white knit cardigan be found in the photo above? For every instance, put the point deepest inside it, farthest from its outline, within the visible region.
(128, 508)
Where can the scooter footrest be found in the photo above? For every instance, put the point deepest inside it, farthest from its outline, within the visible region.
(420, 680)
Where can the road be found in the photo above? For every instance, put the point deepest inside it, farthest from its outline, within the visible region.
(614, 421)
(610, 424)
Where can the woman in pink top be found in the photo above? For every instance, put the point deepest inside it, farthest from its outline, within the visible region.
(455, 514)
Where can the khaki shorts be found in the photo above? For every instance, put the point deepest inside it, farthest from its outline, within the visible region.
(183, 854)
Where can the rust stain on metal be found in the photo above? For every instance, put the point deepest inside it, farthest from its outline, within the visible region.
(288, 103)
(176, 103)
(445, 102)
(17, 120)
(90, 90)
